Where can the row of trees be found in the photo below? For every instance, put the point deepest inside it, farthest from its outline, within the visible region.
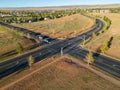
(115, 10)
(108, 23)
(106, 44)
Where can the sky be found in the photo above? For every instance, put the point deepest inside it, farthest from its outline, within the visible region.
(44, 3)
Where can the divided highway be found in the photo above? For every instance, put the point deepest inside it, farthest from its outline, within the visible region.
(68, 46)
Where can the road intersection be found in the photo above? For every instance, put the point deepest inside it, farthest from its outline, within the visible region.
(69, 46)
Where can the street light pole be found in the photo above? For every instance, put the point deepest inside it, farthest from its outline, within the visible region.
(61, 51)
(83, 38)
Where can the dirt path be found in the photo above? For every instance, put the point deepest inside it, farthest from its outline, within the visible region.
(20, 79)
(112, 80)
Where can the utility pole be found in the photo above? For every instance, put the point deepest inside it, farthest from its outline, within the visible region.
(83, 40)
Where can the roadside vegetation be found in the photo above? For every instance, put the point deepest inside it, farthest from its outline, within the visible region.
(65, 74)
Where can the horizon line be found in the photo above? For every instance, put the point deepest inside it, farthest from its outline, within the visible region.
(60, 6)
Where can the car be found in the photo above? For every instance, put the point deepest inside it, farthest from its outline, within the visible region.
(40, 37)
(33, 34)
(47, 40)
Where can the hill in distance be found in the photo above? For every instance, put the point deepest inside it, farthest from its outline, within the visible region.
(64, 7)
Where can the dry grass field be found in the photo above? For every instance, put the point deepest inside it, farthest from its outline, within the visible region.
(9, 40)
(62, 27)
(114, 31)
(65, 74)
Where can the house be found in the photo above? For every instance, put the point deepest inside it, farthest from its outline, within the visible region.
(105, 11)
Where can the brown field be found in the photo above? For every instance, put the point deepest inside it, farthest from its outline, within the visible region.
(61, 28)
(114, 31)
(64, 74)
(9, 40)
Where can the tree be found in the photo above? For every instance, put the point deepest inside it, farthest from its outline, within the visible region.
(108, 22)
(19, 48)
(30, 61)
(93, 35)
(105, 47)
(21, 34)
(89, 58)
(100, 32)
(28, 35)
(105, 28)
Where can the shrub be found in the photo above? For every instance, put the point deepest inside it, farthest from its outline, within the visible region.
(105, 47)
(30, 61)
(19, 48)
